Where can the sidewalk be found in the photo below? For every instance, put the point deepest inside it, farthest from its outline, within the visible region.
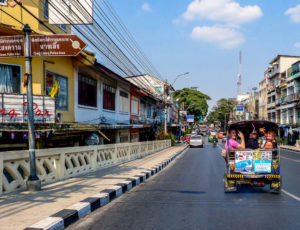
(20, 210)
(289, 147)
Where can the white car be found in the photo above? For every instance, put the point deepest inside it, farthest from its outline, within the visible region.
(196, 141)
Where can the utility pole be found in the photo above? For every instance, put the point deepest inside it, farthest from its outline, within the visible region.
(33, 182)
(166, 106)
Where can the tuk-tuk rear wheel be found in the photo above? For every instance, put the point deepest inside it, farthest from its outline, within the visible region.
(278, 189)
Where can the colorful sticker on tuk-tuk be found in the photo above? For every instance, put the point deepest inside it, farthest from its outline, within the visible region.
(262, 166)
(265, 155)
(256, 155)
(243, 161)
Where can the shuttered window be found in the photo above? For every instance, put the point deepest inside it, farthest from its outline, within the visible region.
(109, 95)
(124, 108)
(87, 91)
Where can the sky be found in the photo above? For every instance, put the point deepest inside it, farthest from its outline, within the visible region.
(204, 37)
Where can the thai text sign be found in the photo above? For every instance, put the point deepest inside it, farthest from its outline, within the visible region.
(11, 46)
(13, 109)
(56, 45)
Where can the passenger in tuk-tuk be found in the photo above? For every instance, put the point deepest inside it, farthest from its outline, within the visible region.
(269, 141)
(252, 142)
(233, 144)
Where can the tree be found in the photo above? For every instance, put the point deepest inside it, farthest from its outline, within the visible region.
(221, 112)
(194, 101)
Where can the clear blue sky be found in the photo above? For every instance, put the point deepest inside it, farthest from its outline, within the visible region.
(204, 37)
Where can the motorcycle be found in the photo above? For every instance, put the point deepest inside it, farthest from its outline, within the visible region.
(214, 142)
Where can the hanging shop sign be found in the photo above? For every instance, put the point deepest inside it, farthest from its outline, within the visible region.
(13, 109)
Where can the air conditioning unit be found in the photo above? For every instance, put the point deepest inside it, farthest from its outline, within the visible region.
(59, 118)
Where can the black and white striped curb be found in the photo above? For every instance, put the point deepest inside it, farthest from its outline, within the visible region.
(290, 149)
(70, 215)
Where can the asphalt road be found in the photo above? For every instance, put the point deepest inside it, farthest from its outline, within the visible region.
(189, 194)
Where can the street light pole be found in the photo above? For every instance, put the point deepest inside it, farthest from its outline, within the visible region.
(166, 106)
(33, 182)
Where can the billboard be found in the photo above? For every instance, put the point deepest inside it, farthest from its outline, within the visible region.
(63, 12)
(190, 118)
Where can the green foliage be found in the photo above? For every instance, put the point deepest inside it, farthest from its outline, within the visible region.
(171, 136)
(220, 112)
(187, 131)
(194, 101)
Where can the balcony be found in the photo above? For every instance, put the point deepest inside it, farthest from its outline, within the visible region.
(271, 105)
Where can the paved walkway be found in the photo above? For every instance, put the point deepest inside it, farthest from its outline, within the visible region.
(22, 209)
(289, 147)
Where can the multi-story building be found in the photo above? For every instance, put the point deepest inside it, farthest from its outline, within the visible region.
(91, 101)
(281, 90)
(262, 100)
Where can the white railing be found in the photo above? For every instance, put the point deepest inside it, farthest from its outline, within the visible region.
(61, 163)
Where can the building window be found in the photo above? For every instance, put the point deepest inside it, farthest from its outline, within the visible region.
(124, 138)
(46, 8)
(134, 137)
(10, 78)
(61, 98)
(109, 94)
(87, 91)
(63, 27)
(134, 106)
(143, 108)
(148, 111)
(124, 102)
(3, 2)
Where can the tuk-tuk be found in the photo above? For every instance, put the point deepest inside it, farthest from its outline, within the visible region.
(256, 167)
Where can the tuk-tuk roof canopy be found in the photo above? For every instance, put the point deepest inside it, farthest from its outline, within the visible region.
(247, 126)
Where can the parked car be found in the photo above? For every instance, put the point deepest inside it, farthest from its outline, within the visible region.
(187, 138)
(196, 141)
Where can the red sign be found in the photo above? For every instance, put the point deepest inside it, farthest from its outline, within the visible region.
(56, 45)
(11, 46)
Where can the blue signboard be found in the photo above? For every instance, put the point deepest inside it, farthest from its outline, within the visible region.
(190, 118)
(240, 108)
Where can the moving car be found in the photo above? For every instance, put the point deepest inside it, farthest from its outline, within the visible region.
(255, 167)
(196, 141)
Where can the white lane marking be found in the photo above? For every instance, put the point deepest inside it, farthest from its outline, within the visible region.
(220, 147)
(291, 195)
(287, 158)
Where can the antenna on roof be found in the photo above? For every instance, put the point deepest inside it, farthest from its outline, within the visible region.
(239, 81)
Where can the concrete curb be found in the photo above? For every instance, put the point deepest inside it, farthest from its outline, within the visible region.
(290, 149)
(70, 215)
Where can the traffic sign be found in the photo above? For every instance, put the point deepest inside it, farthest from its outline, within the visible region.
(11, 46)
(240, 108)
(56, 45)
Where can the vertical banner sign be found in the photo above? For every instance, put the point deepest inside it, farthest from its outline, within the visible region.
(70, 12)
